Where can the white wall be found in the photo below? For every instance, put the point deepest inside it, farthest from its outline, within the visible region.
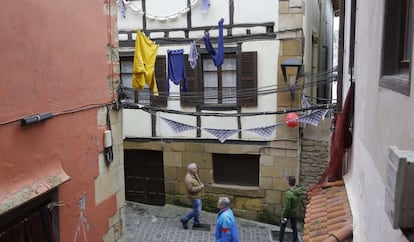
(247, 11)
(311, 26)
(382, 118)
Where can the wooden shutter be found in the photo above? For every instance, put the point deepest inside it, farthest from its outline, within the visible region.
(194, 94)
(247, 79)
(161, 78)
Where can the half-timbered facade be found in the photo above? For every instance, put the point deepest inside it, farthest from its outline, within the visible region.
(230, 119)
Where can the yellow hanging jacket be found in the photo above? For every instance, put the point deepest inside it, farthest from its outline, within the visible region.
(144, 63)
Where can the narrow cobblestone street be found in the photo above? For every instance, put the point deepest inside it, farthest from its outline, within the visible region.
(146, 223)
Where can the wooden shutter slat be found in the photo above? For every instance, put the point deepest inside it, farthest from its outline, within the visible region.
(161, 78)
(247, 76)
(193, 96)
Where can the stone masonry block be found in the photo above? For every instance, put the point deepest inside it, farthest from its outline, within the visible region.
(271, 172)
(273, 196)
(109, 183)
(173, 159)
(265, 182)
(194, 147)
(292, 144)
(292, 153)
(144, 145)
(181, 172)
(295, 3)
(292, 47)
(285, 132)
(110, 235)
(275, 152)
(177, 146)
(171, 187)
(170, 173)
(286, 162)
(120, 198)
(252, 204)
(290, 21)
(206, 175)
(283, 7)
(114, 218)
(266, 160)
(280, 184)
(233, 149)
(202, 159)
(252, 215)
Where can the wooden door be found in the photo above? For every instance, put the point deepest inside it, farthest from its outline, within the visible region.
(144, 176)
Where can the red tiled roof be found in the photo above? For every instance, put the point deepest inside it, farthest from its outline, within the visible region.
(328, 215)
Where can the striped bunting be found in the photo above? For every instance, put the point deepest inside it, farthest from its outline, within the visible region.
(265, 132)
(178, 127)
(221, 134)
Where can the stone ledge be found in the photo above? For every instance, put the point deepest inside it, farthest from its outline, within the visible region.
(236, 190)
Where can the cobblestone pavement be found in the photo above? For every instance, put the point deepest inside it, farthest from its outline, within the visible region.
(147, 223)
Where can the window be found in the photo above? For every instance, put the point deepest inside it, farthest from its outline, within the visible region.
(235, 83)
(220, 83)
(397, 46)
(230, 169)
(145, 96)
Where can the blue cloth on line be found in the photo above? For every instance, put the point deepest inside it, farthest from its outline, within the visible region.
(176, 69)
(217, 56)
(205, 5)
(193, 55)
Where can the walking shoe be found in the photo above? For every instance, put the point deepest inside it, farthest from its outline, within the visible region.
(184, 224)
(196, 226)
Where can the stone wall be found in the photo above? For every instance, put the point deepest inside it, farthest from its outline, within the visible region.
(315, 152)
(277, 158)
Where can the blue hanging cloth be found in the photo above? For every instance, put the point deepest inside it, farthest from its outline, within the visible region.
(217, 56)
(176, 69)
(193, 55)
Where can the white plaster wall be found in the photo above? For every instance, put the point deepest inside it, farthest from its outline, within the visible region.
(311, 24)
(346, 71)
(327, 28)
(136, 123)
(381, 118)
(247, 11)
(218, 9)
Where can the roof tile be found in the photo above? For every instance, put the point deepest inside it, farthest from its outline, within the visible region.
(328, 215)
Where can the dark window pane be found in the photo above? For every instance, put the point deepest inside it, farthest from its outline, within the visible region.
(230, 169)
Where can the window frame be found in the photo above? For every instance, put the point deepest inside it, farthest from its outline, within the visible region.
(395, 70)
(220, 79)
(160, 76)
(236, 169)
(246, 83)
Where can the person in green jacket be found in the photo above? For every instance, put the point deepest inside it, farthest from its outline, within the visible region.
(290, 208)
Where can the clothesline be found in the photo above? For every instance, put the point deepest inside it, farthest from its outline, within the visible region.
(312, 118)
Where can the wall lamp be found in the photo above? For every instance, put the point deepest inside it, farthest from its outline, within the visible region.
(291, 70)
(35, 118)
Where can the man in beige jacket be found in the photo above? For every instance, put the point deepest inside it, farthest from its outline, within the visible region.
(195, 189)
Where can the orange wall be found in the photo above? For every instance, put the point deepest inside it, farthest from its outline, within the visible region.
(54, 59)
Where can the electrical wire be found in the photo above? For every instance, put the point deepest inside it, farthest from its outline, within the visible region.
(317, 79)
(73, 110)
(151, 109)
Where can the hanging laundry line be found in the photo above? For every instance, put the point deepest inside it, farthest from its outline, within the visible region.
(139, 10)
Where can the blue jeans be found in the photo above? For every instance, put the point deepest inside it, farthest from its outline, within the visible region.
(293, 222)
(196, 205)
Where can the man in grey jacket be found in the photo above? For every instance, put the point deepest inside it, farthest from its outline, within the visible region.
(195, 190)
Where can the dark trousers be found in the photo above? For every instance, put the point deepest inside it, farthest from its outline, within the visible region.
(293, 222)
